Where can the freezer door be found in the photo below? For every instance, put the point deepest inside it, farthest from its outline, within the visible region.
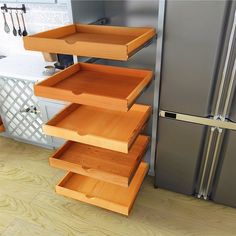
(224, 186)
(178, 155)
(191, 42)
(225, 73)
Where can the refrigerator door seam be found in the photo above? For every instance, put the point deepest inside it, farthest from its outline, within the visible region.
(222, 117)
(222, 83)
(229, 92)
(201, 191)
(213, 164)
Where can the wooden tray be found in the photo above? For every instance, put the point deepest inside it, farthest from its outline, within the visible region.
(99, 127)
(106, 195)
(102, 86)
(2, 129)
(100, 163)
(109, 42)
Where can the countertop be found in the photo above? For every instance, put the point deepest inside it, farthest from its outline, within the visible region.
(28, 66)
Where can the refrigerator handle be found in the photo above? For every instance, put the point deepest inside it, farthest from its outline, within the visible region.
(229, 92)
(201, 190)
(223, 78)
(213, 164)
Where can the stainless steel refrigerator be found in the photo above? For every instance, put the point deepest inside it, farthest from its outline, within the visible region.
(196, 147)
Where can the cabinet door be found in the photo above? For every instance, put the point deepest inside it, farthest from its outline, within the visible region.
(49, 109)
(20, 111)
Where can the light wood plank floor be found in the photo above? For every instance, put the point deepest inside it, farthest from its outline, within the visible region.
(29, 205)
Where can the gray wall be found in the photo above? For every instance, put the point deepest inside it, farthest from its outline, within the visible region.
(125, 13)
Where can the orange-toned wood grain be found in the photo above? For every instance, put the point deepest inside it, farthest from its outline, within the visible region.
(109, 87)
(102, 164)
(109, 42)
(99, 193)
(99, 127)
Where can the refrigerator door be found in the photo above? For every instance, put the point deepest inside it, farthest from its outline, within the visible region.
(191, 46)
(225, 73)
(179, 155)
(224, 185)
(220, 173)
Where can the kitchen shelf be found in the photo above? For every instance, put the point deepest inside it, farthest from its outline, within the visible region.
(2, 128)
(102, 164)
(108, 42)
(102, 86)
(99, 127)
(99, 193)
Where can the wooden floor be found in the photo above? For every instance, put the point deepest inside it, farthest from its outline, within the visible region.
(29, 206)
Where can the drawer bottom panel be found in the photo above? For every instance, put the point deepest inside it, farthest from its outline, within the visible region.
(103, 194)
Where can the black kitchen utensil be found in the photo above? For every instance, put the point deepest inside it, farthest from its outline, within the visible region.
(19, 28)
(6, 26)
(24, 33)
(14, 29)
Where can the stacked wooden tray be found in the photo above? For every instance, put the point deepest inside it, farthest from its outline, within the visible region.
(99, 127)
(2, 129)
(102, 86)
(101, 193)
(100, 163)
(104, 155)
(108, 42)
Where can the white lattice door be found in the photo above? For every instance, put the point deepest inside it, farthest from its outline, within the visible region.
(20, 110)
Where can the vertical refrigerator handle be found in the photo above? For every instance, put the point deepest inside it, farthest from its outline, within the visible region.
(213, 165)
(223, 78)
(203, 176)
(230, 89)
(207, 191)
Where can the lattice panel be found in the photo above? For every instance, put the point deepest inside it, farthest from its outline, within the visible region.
(16, 102)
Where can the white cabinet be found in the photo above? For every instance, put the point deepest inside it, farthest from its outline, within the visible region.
(23, 113)
(20, 111)
(49, 108)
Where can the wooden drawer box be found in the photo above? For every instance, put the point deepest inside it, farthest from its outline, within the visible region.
(99, 163)
(99, 193)
(109, 42)
(99, 127)
(102, 86)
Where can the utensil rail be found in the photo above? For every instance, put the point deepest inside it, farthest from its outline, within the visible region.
(6, 8)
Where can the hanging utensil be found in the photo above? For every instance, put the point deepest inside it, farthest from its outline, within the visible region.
(23, 20)
(14, 29)
(19, 28)
(6, 26)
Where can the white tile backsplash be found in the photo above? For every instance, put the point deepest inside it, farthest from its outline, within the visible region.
(39, 17)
